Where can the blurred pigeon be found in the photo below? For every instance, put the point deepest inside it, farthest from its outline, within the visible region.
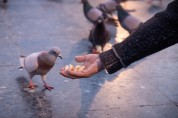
(99, 35)
(127, 21)
(39, 63)
(109, 6)
(92, 13)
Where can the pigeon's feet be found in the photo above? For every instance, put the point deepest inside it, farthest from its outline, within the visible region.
(48, 87)
(31, 86)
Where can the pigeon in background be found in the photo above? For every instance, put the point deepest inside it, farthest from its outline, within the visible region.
(99, 35)
(109, 6)
(126, 20)
(39, 63)
(92, 13)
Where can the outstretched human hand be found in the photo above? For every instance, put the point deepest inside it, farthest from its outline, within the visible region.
(92, 65)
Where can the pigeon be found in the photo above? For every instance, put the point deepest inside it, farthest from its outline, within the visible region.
(109, 6)
(39, 63)
(126, 20)
(99, 36)
(92, 13)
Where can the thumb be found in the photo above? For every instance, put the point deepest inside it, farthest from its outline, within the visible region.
(80, 58)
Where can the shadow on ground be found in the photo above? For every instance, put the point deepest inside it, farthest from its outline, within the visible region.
(89, 87)
(37, 104)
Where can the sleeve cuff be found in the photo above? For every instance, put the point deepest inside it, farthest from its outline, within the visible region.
(110, 62)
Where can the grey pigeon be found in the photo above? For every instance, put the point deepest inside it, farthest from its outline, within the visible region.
(99, 35)
(91, 13)
(39, 63)
(109, 6)
(126, 20)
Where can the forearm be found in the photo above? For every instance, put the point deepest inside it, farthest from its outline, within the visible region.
(158, 33)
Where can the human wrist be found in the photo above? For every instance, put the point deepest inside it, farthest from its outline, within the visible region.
(99, 64)
(110, 62)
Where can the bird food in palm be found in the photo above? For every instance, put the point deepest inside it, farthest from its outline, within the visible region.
(74, 68)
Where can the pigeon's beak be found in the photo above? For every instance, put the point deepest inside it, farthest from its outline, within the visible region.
(60, 56)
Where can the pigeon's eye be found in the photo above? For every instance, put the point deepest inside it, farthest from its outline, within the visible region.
(54, 52)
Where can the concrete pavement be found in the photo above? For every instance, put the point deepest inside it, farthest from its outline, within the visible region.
(146, 89)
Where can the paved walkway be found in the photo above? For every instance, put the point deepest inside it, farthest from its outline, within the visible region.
(146, 89)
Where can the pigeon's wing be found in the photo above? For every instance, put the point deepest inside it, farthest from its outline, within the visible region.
(31, 62)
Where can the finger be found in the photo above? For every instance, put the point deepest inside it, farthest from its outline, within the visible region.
(71, 74)
(80, 58)
(75, 74)
(62, 69)
(66, 75)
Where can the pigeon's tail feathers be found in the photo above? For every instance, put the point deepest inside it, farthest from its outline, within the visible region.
(21, 60)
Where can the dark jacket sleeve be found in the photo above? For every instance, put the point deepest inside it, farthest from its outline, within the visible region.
(158, 33)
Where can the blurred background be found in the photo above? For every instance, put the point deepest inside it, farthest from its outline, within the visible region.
(146, 89)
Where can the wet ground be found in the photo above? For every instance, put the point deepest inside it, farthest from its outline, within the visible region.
(146, 89)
